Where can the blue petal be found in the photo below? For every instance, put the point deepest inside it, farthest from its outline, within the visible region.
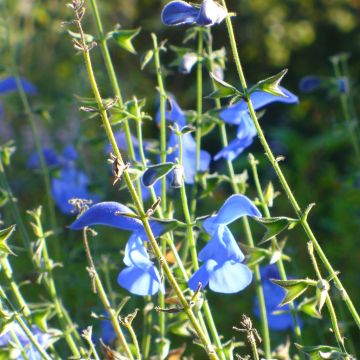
(211, 13)
(179, 13)
(221, 247)
(235, 206)
(71, 184)
(230, 277)
(136, 254)
(310, 83)
(189, 156)
(234, 114)
(8, 85)
(70, 153)
(107, 332)
(50, 156)
(175, 114)
(140, 282)
(104, 214)
(121, 142)
(200, 276)
(260, 99)
(234, 149)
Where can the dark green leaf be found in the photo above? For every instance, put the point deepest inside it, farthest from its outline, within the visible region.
(321, 352)
(309, 307)
(155, 172)
(275, 226)
(4, 236)
(293, 288)
(223, 89)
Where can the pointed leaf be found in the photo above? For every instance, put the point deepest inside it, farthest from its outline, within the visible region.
(4, 235)
(124, 38)
(275, 226)
(155, 172)
(309, 307)
(293, 288)
(146, 58)
(88, 38)
(223, 89)
(321, 352)
(271, 84)
(40, 318)
(3, 197)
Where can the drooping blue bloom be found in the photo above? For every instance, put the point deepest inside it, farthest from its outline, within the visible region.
(8, 85)
(140, 277)
(71, 183)
(343, 85)
(177, 115)
(107, 332)
(50, 156)
(222, 258)
(181, 13)
(32, 353)
(238, 114)
(274, 294)
(310, 83)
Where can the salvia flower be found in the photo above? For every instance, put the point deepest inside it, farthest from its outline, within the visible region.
(44, 339)
(177, 115)
(8, 85)
(181, 13)
(238, 114)
(222, 267)
(140, 277)
(310, 83)
(274, 294)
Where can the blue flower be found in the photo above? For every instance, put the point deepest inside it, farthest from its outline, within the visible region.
(180, 13)
(177, 115)
(238, 114)
(310, 83)
(32, 353)
(8, 85)
(222, 258)
(140, 277)
(50, 156)
(71, 183)
(274, 294)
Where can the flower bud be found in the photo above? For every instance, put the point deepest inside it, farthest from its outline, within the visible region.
(177, 177)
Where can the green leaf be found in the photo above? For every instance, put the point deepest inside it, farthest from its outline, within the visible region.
(322, 352)
(6, 151)
(309, 307)
(155, 172)
(124, 38)
(168, 224)
(275, 226)
(40, 318)
(88, 38)
(294, 288)
(3, 197)
(4, 236)
(223, 89)
(271, 84)
(146, 58)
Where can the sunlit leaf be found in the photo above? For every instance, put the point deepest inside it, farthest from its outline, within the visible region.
(124, 38)
(294, 288)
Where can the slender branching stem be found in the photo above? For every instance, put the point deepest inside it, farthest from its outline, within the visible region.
(98, 286)
(275, 245)
(275, 164)
(111, 73)
(142, 214)
(193, 253)
(18, 344)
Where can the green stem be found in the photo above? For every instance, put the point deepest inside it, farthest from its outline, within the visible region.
(161, 314)
(7, 270)
(143, 217)
(275, 164)
(344, 101)
(199, 99)
(329, 303)
(50, 285)
(275, 245)
(18, 344)
(104, 299)
(111, 74)
(194, 258)
(146, 340)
